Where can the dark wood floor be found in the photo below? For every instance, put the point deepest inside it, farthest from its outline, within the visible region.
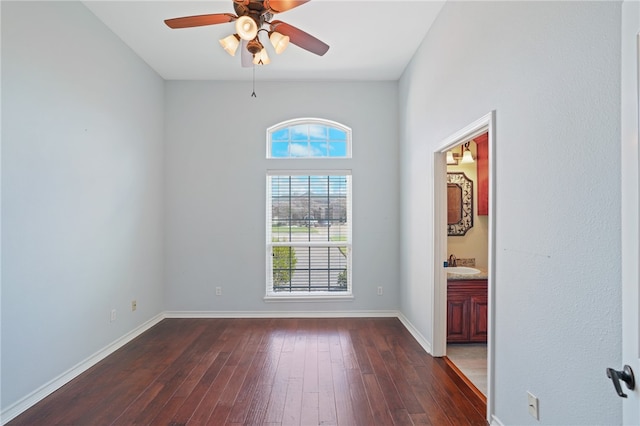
(363, 371)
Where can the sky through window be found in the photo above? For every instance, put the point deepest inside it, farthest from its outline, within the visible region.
(308, 139)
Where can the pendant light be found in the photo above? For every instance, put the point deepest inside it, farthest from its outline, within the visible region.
(451, 161)
(467, 158)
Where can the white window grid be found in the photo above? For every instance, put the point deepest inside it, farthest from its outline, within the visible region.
(343, 245)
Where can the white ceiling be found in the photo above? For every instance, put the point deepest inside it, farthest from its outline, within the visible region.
(369, 39)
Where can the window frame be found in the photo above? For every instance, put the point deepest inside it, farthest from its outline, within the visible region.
(309, 120)
(270, 294)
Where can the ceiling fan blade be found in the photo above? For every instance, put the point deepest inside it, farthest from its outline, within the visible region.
(278, 6)
(246, 58)
(200, 20)
(300, 38)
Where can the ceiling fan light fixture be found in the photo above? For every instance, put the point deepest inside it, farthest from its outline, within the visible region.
(278, 41)
(230, 44)
(250, 18)
(246, 28)
(261, 58)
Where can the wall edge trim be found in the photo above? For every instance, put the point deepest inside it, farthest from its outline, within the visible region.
(495, 421)
(422, 341)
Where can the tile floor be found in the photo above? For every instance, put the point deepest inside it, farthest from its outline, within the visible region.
(471, 359)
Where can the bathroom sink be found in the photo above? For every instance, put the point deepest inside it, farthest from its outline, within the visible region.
(462, 270)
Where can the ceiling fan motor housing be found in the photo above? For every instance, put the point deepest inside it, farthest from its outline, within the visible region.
(254, 9)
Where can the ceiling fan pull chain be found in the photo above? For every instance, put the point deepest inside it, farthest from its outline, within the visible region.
(253, 94)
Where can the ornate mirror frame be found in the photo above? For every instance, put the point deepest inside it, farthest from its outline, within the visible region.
(459, 187)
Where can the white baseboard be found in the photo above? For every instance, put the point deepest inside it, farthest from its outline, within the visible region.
(415, 333)
(45, 390)
(495, 421)
(280, 314)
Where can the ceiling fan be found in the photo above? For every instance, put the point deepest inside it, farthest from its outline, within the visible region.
(251, 18)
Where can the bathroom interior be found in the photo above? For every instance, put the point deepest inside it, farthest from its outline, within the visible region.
(467, 249)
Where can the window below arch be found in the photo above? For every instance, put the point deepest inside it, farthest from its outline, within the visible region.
(309, 234)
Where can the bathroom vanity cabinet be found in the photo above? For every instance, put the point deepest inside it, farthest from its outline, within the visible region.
(467, 310)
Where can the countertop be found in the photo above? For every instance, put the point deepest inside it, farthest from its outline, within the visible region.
(482, 275)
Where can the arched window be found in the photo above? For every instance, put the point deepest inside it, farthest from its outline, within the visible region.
(309, 138)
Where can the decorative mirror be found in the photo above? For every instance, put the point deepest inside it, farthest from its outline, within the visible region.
(459, 204)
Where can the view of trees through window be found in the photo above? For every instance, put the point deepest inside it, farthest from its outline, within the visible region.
(310, 232)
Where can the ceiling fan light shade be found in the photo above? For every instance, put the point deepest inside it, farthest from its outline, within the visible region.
(246, 28)
(279, 41)
(261, 58)
(230, 44)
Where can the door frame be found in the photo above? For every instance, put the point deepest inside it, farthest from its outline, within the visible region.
(630, 207)
(439, 309)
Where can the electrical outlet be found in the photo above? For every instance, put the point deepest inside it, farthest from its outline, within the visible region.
(218, 291)
(533, 406)
(380, 291)
(113, 315)
(134, 305)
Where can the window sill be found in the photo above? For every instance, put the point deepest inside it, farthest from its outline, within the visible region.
(306, 297)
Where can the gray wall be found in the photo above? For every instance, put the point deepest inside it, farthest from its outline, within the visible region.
(216, 181)
(551, 71)
(81, 191)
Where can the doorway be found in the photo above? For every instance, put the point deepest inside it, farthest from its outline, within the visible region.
(468, 247)
(484, 125)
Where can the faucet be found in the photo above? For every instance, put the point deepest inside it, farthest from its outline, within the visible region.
(453, 261)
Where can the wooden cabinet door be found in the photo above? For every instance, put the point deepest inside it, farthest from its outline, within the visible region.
(478, 314)
(458, 314)
(467, 311)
